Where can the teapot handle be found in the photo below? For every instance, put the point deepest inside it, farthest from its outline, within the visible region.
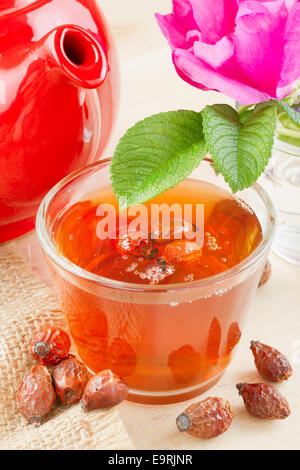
(79, 55)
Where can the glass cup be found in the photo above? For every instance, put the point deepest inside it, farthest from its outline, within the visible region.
(169, 342)
(281, 180)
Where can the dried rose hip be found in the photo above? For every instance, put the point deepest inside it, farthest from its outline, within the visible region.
(104, 390)
(50, 346)
(36, 395)
(70, 378)
(148, 251)
(264, 401)
(132, 243)
(266, 274)
(206, 419)
(122, 357)
(270, 363)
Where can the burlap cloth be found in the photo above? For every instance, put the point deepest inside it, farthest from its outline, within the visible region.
(25, 305)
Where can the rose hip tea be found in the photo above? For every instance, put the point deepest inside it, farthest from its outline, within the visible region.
(166, 254)
(154, 306)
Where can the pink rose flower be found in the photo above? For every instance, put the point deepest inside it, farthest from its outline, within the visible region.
(247, 49)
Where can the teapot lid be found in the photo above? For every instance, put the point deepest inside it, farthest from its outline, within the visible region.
(8, 7)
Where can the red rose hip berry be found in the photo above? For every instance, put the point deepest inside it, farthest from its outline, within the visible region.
(207, 418)
(70, 378)
(36, 395)
(270, 363)
(104, 390)
(132, 243)
(50, 346)
(264, 401)
(266, 274)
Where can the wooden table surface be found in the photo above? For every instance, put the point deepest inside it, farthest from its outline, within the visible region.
(149, 85)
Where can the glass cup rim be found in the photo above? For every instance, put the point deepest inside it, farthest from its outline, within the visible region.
(51, 251)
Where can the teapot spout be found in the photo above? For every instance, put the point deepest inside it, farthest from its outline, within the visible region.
(79, 55)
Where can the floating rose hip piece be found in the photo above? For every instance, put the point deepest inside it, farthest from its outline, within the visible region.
(206, 419)
(214, 341)
(270, 363)
(131, 243)
(104, 390)
(70, 378)
(230, 231)
(185, 363)
(50, 346)
(233, 337)
(36, 395)
(122, 357)
(266, 274)
(182, 252)
(264, 401)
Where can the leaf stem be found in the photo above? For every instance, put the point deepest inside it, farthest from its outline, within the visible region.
(242, 109)
(288, 132)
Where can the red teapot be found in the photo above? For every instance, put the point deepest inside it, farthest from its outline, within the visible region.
(59, 93)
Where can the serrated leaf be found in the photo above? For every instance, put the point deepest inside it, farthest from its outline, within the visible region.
(155, 155)
(292, 113)
(240, 150)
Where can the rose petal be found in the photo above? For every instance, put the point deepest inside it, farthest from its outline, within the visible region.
(215, 18)
(290, 3)
(282, 92)
(172, 30)
(199, 74)
(182, 10)
(258, 41)
(291, 53)
(193, 36)
(178, 24)
(214, 54)
(247, 15)
(247, 49)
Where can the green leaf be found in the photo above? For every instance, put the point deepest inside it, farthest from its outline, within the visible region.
(245, 114)
(240, 150)
(292, 113)
(155, 155)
